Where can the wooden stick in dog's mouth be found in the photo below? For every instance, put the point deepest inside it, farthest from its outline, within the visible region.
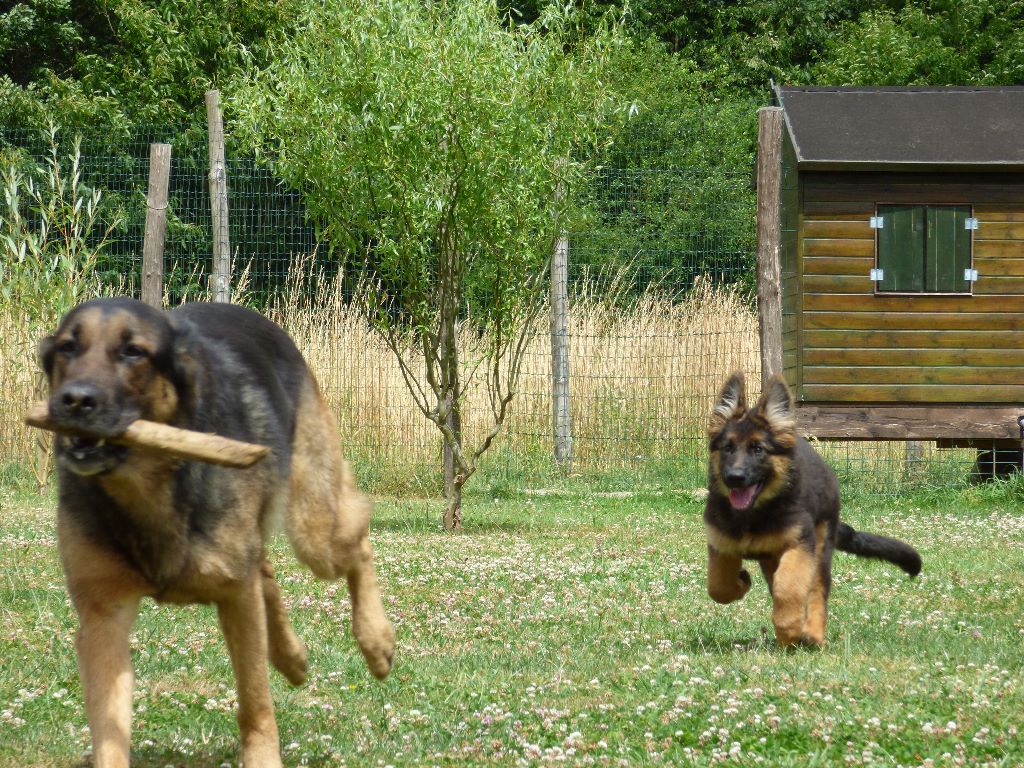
(173, 441)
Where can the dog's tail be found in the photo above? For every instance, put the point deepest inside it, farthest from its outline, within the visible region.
(881, 547)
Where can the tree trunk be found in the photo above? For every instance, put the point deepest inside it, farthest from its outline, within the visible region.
(449, 299)
(452, 519)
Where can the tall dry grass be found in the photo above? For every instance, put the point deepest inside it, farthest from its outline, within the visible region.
(18, 367)
(643, 373)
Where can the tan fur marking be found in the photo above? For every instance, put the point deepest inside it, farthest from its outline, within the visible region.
(790, 588)
(753, 545)
(715, 462)
(777, 483)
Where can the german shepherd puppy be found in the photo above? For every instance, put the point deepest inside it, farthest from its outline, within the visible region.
(135, 523)
(773, 499)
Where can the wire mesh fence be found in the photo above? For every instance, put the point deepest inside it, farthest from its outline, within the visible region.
(658, 287)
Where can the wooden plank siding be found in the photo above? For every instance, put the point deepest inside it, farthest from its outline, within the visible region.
(855, 346)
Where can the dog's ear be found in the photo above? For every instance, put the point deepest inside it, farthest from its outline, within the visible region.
(776, 408)
(46, 350)
(731, 403)
(184, 359)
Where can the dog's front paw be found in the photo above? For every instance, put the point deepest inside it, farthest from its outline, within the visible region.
(376, 639)
(291, 662)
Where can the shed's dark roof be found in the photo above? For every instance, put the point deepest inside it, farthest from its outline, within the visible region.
(911, 128)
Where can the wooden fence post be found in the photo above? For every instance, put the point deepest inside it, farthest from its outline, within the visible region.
(769, 200)
(220, 275)
(156, 225)
(560, 415)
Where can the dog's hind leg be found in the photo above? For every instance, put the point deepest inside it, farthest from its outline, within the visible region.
(106, 596)
(287, 653)
(328, 526)
(728, 580)
(243, 621)
(817, 600)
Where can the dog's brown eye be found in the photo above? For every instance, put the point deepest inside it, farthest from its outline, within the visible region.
(132, 352)
(67, 347)
(757, 449)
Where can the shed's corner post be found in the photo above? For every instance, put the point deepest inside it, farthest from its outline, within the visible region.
(769, 216)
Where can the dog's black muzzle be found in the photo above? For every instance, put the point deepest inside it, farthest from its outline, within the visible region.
(88, 413)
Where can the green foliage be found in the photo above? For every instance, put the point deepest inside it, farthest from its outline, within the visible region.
(116, 63)
(674, 197)
(406, 123)
(978, 42)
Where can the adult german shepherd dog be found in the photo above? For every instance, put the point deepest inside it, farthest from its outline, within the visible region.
(135, 523)
(773, 499)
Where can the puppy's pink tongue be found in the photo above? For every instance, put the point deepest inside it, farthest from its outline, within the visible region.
(741, 498)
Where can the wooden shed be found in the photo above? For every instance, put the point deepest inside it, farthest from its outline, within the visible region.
(891, 260)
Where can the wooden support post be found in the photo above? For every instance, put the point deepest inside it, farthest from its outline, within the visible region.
(560, 351)
(220, 275)
(156, 225)
(769, 218)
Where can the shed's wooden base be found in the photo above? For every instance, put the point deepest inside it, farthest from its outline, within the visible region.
(958, 423)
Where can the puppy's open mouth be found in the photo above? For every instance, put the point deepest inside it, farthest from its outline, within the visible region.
(743, 498)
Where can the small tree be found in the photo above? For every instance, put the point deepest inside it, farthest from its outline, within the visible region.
(429, 139)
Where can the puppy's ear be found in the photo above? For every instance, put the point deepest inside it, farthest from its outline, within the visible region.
(184, 359)
(731, 404)
(776, 408)
(46, 350)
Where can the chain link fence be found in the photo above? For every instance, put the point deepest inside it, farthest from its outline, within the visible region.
(658, 287)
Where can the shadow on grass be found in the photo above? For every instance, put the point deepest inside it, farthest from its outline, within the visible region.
(709, 640)
(714, 641)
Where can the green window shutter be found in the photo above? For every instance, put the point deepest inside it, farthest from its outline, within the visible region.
(948, 249)
(901, 248)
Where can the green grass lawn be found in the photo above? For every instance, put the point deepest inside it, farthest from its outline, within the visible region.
(567, 627)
